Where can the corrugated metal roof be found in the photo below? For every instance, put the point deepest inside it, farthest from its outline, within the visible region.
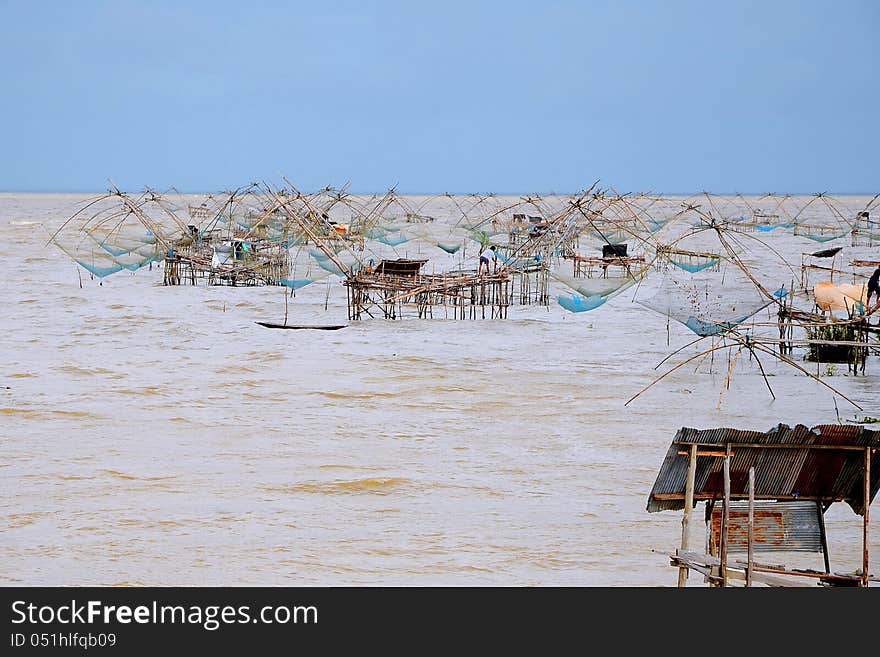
(780, 472)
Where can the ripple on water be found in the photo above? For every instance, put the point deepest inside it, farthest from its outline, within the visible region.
(83, 371)
(237, 369)
(329, 394)
(374, 485)
(145, 391)
(122, 475)
(37, 414)
(18, 520)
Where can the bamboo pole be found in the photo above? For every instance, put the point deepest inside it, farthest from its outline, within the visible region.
(725, 518)
(867, 503)
(751, 525)
(688, 504)
(824, 536)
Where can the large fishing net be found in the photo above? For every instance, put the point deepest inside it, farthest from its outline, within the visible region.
(708, 303)
(110, 237)
(819, 218)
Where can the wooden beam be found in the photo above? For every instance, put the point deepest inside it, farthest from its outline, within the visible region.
(688, 505)
(702, 562)
(718, 454)
(725, 521)
(852, 448)
(800, 573)
(672, 497)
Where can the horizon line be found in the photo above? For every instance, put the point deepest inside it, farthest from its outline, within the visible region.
(457, 193)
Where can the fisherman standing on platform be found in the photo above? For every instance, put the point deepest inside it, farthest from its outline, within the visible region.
(486, 256)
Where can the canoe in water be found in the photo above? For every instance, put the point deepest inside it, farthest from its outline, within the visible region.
(326, 327)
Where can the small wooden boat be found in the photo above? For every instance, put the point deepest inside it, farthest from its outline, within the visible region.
(326, 327)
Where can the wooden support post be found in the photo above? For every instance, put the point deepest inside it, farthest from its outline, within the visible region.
(867, 513)
(711, 547)
(725, 519)
(751, 525)
(688, 504)
(823, 536)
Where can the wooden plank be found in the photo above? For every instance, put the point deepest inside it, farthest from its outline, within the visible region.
(701, 563)
(711, 560)
(801, 573)
(706, 572)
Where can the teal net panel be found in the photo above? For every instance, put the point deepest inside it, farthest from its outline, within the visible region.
(296, 283)
(694, 266)
(707, 303)
(578, 304)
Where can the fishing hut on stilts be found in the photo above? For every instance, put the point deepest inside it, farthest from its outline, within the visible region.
(767, 493)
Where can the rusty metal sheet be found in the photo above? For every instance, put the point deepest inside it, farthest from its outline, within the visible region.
(779, 526)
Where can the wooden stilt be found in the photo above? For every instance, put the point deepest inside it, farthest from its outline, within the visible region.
(751, 525)
(725, 518)
(688, 504)
(823, 536)
(867, 502)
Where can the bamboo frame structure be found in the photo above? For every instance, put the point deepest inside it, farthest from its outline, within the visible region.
(462, 295)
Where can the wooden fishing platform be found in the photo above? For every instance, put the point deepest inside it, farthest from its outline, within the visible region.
(845, 341)
(586, 266)
(187, 266)
(528, 259)
(865, 231)
(531, 281)
(396, 284)
(684, 258)
(825, 231)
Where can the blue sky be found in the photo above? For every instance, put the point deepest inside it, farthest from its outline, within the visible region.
(505, 97)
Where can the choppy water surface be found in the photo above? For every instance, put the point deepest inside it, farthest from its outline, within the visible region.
(157, 435)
